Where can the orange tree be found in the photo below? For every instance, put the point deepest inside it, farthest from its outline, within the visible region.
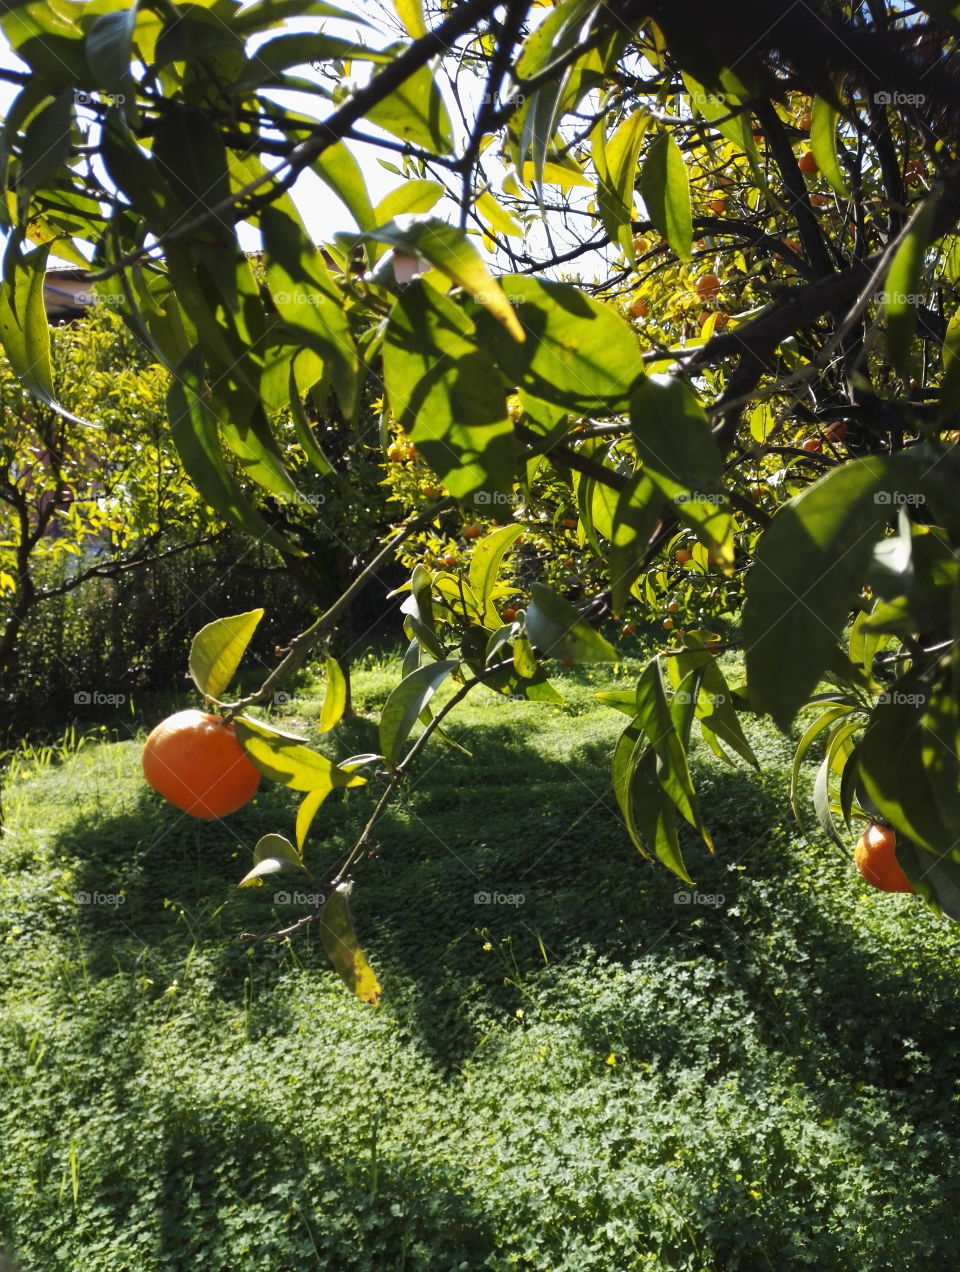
(750, 421)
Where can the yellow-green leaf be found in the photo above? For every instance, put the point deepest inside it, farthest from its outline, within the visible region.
(217, 649)
(335, 696)
(339, 940)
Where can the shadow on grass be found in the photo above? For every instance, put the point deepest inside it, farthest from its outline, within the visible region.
(489, 875)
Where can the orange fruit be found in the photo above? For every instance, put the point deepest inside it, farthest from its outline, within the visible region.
(837, 431)
(395, 453)
(195, 761)
(719, 206)
(813, 445)
(682, 555)
(668, 624)
(471, 532)
(449, 560)
(640, 308)
(508, 613)
(707, 287)
(807, 162)
(876, 860)
(805, 121)
(628, 629)
(914, 171)
(673, 606)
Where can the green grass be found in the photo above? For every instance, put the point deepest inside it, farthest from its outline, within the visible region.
(597, 1078)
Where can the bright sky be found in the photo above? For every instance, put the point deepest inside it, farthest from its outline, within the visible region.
(322, 211)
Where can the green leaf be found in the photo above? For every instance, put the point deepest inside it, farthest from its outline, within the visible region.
(823, 721)
(413, 197)
(24, 331)
(263, 14)
(560, 631)
(616, 164)
(193, 427)
(909, 764)
(338, 167)
(679, 454)
(665, 188)
(269, 866)
(450, 251)
(672, 770)
(335, 696)
(580, 354)
(287, 760)
(902, 290)
(109, 48)
(46, 142)
(804, 582)
(309, 807)
(823, 143)
(218, 648)
(339, 940)
(312, 306)
(415, 112)
(638, 510)
(405, 704)
(936, 878)
(485, 567)
(446, 392)
(410, 13)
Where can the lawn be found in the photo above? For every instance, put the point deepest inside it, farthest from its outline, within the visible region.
(589, 1074)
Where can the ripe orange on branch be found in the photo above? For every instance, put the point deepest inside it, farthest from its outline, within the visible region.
(707, 287)
(194, 760)
(876, 860)
(807, 162)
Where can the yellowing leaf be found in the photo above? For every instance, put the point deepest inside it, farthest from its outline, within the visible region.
(339, 940)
